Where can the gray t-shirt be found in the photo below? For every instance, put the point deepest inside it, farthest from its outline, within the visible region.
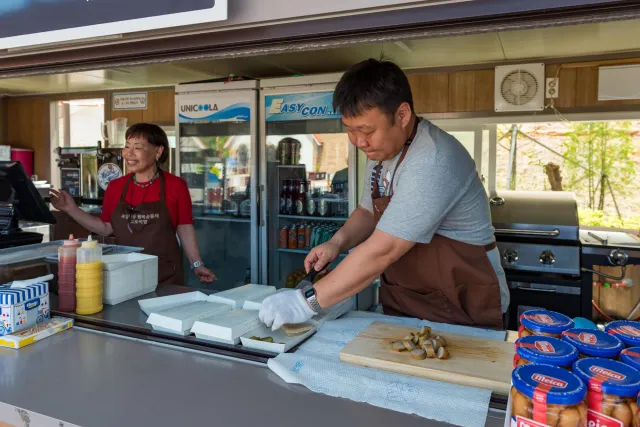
(436, 190)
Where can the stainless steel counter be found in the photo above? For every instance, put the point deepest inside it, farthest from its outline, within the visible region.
(127, 318)
(99, 380)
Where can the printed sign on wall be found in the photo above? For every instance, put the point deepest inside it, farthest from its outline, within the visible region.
(129, 101)
(300, 106)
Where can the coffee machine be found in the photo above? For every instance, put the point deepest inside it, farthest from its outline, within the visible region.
(110, 161)
(78, 171)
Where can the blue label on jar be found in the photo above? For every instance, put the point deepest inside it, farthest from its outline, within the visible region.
(593, 342)
(546, 321)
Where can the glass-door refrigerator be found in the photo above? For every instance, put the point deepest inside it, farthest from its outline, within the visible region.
(216, 130)
(308, 173)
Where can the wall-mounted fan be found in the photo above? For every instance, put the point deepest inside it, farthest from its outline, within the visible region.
(519, 87)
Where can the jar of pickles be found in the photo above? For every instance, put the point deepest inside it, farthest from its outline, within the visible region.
(612, 391)
(593, 343)
(631, 356)
(543, 322)
(628, 331)
(548, 395)
(546, 350)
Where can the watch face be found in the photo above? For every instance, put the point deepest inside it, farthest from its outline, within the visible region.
(309, 292)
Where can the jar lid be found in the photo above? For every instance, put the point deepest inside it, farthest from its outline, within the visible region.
(593, 342)
(560, 386)
(608, 376)
(627, 330)
(546, 321)
(631, 356)
(549, 350)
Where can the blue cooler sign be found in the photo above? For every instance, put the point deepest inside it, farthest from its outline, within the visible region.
(300, 106)
(209, 111)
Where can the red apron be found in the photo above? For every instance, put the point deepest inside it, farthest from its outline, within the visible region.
(149, 225)
(443, 281)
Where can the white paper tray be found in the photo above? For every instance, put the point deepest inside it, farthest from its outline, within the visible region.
(254, 303)
(181, 318)
(282, 342)
(151, 305)
(228, 326)
(236, 297)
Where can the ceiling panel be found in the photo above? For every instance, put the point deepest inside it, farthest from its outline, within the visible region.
(577, 40)
(568, 41)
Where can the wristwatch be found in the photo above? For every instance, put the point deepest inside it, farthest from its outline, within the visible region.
(196, 265)
(309, 294)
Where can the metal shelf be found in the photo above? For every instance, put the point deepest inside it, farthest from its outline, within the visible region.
(292, 166)
(301, 251)
(222, 219)
(314, 218)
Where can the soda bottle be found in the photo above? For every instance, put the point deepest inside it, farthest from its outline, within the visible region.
(283, 197)
(301, 200)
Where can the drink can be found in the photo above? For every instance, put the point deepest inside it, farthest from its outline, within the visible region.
(311, 207)
(293, 237)
(285, 156)
(295, 152)
(301, 236)
(314, 236)
(284, 237)
(307, 236)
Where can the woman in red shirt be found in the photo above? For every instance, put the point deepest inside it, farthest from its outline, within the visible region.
(146, 208)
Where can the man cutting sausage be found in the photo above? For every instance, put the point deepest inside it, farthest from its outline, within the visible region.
(423, 224)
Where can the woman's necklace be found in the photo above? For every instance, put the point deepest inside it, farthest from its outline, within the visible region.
(145, 184)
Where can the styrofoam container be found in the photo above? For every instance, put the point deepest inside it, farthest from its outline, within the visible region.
(229, 326)
(127, 276)
(155, 305)
(180, 319)
(236, 297)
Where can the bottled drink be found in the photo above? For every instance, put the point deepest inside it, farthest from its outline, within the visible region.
(283, 197)
(301, 200)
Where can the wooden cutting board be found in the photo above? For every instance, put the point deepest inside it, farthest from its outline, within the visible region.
(473, 361)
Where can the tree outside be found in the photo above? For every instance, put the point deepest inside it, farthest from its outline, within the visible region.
(598, 161)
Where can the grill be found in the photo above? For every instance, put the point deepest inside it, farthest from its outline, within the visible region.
(537, 234)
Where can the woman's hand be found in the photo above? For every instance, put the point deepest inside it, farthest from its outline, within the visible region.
(61, 200)
(205, 275)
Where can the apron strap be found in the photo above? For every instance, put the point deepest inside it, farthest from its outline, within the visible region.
(161, 183)
(126, 189)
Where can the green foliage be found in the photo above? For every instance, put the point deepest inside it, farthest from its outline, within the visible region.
(597, 218)
(595, 150)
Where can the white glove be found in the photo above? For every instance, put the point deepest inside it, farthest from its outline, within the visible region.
(285, 307)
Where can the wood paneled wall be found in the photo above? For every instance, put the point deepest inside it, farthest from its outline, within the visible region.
(473, 91)
(28, 125)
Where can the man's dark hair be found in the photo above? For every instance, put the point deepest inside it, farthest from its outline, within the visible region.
(372, 84)
(154, 136)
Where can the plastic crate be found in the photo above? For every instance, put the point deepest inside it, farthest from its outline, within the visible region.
(128, 276)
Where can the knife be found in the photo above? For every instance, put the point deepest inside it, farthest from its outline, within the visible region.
(308, 279)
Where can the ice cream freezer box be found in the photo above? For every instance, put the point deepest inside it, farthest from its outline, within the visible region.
(22, 308)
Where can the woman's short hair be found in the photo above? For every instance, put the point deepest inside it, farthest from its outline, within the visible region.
(154, 136)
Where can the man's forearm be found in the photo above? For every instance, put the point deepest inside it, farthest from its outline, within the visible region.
(356, 230)
(360, 268)
(92, 223)
(187, 235)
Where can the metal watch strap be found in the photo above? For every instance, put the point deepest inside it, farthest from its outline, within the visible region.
(196, 265)
(309, 294)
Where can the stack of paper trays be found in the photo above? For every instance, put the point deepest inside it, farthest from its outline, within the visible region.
(155, 305)
(180, 319)
(228, 327)
(236, 297)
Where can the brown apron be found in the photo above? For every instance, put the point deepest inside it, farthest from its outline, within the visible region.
(442, 281)
(149, 226)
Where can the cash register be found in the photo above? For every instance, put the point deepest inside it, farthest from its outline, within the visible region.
(19, 200)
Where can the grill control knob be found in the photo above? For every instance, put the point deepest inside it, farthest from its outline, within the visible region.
(510, 256)
(618, 257)
(547, 258)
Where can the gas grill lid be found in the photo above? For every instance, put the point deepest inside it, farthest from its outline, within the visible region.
(535, 214)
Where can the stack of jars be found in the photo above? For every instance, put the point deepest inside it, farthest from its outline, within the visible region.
(89, 278)
(67, 275)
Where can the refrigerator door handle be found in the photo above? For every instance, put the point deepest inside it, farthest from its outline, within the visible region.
(258, 204)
